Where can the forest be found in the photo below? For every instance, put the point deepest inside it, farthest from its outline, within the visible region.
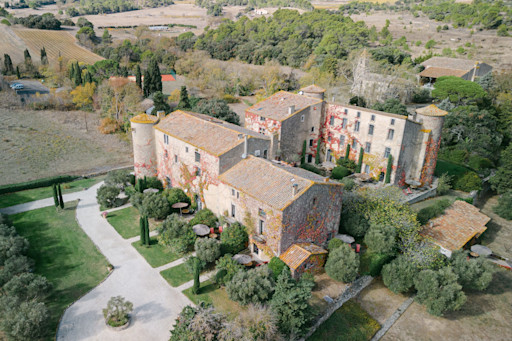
(303, 4)
(111, 6)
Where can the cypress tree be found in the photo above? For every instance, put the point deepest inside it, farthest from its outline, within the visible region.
(157, 77)
(197, 271)
(78, 75)
(28, 57)
(360, 161)
(71, 72)
(146, 227)
(55, 196)
(317, 155)
(389, 169)
(303, 156)
(147, 83)
(138, 76)
(61, 200)
(142, 227)
(18, 73)
(8, 67)
(184, 102)
(88, 78)
(44, 57)
(347, 152)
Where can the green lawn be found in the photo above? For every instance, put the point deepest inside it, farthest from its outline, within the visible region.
(349, 323)
(22, 197)
(177, 275)
(125, 221)
(453, 169)
(63, 254)
(217, 296)
(156, 255)
(207, 287)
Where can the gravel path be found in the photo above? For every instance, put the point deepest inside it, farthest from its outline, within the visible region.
(156, 304)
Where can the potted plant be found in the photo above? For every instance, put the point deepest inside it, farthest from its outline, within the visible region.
(117, 313)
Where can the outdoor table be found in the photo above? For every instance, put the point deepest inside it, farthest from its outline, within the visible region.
(201, 230)
(243, 259)
(180, 205)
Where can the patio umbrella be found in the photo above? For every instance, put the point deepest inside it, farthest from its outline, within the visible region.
(481, 250)
(345, 238)
(150, 190)
(242, 259)
(180, 205)
(201, 230)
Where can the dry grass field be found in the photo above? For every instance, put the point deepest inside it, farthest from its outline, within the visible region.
(37, 144)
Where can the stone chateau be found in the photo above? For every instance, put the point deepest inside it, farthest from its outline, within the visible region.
(289, 212)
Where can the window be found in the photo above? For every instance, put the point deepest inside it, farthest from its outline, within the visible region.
(311, 142)
(166, 153)
(175, 158)
(261, 226)
(368, 147)
(382, 175)
(357, 125)
(342, 140)
(261, 213)
(367, 169)
(370, 129)
(166, 139)
(329, 155)
(262, 118)
(391, 133)
(168, 180)
(346, 111)
(373, 117)
(314, 201)
(257, 152)
(233, 210)
(265, 153)
(392, 121)
(237, 195)
(312, 129)
(387, 152)
(329, 138)
(331, 120)
(262, 131)
(186, 149)
(310, 158)
(198, 171)
(358, 114)
(198, 157)
(354, 144)
(344, 123)
(302, 118)
(232, 192)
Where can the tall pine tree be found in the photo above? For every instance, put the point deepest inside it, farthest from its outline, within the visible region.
(184, 102)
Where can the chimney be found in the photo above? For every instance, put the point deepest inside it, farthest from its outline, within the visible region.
(244, 155)
(291, 109)
(295, 189)
(160, 114)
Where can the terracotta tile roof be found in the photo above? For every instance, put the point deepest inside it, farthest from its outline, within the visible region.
(299, 253)
(450, 63)
(431, 110)
(168, 78)
(268, 182)
(460, 222)
(313, 88)
(204, 132)
(436, 72)
(276, 106)
(144, 118)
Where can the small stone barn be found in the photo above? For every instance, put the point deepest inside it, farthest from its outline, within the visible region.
(304, 257)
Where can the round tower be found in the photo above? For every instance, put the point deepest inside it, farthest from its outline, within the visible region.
(313, 91)
(432, 120)
(144, 148)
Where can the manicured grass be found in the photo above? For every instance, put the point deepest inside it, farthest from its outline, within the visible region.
(206, 288)
(177, 275)
(453, 169)
(156, 255)
(350, 322)
(211, 293)
(63, 254)
(125, 221)
(29, 195)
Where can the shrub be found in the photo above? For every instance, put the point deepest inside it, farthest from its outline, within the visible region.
(439, 291)
(117, 178)
(334, 244)
(207, 249)
(28, 287)
(45, 182)
(234, 238)
(372, 262)
(117, 312)
(421, 96)
(469, 182)
(109, 126)
(176, 235)
(444, 184)
(230, 99)
(355, 224)
(381, 238)
(468, 200)
(339, 172)
(350, 184)
(23, 320)
(347, 163)
(226, 268)
(155, 205)
(398, 276)
(312, 168)
(479, 163)
(432, 211)
(154, 182)
(136, 199)
(342, 264)
(256, 323)
(204, 216)
(106, 195)
(5, 22)
(253, 286)
(504, 207)
(175, 195)
(276, 265)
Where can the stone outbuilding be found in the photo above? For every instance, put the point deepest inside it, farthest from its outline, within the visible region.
(304, 257)
(436, 67)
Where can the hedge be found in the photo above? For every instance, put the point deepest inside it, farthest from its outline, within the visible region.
(45, 182)
(372, 263)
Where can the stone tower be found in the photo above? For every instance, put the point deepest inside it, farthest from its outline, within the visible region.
(313, 91)
(144, 148)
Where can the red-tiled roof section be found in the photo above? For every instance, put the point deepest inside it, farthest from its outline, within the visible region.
(168, 78)
(299, 253)
(457, 226)
(277, 106)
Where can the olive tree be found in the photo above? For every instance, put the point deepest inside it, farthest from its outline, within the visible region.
(380, 238)
(253, 286)
(398, 276)
(342, 264)
(207, 249)
(156, 206)
(473, 273)
(107, 195)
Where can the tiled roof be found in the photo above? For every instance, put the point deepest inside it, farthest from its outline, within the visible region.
(298, 253)
(431, 110)
(436, 72)
(373, 111)
(450, 63)
(144, 118)
(460, 222)
(268, 182)
(276, 106)
(204, 132)
(313, 88)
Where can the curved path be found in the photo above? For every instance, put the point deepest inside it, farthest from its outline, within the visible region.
(156, 304)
